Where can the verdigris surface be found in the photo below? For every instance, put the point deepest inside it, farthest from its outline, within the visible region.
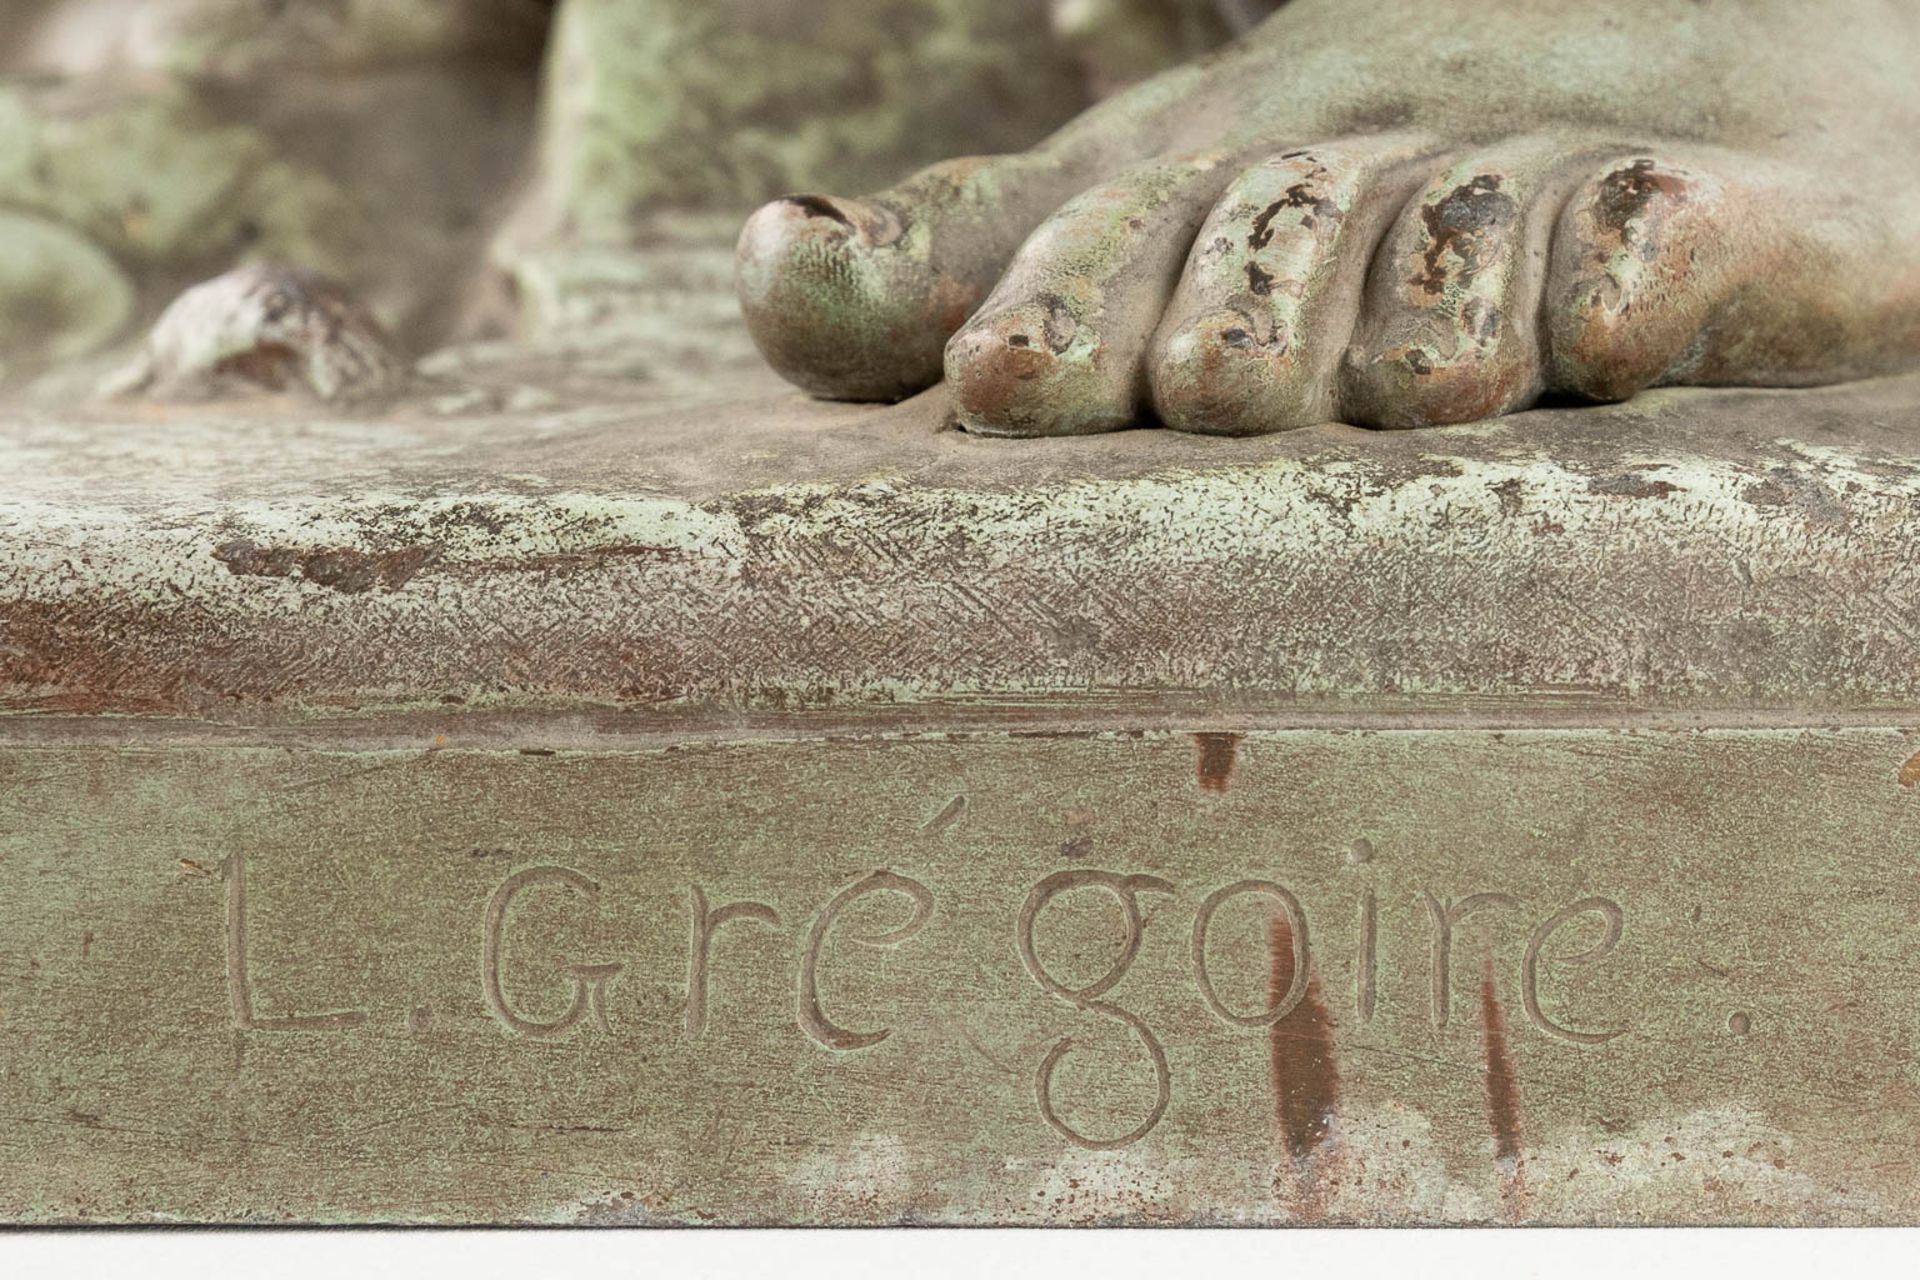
(559, 545)
(458, 162)
(561, 796)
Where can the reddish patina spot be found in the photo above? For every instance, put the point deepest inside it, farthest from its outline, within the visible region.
(337, 568)
(1640, 190)
(1468, 222)
(1217, 752)
(1306, 1076)
(1503, 1086)
(1910, 771)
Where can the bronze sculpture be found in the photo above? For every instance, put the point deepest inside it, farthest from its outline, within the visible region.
(578, 779)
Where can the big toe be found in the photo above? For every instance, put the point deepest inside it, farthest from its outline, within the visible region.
(855, 299)
(825, 299)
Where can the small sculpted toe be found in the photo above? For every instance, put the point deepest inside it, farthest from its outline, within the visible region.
(1449, 335)
(1252, 339)
(1063, 345)
(1031, 370)
(1215, 376)
(1631, 287)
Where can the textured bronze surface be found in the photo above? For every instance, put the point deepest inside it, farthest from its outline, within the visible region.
(1542, 976)
(794, 813)
(1689, 552)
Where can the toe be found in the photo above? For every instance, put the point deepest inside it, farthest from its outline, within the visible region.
(1710, 267)
(855, 299)
(1060, 347)
(1252, 339)
(1634, 276)
(1027, 370)
(1449, 330)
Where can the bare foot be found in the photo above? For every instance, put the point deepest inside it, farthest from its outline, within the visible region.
(1396, 213)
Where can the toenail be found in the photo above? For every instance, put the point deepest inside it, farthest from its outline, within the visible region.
(820, 207)
(1019, 340)
(874, 224)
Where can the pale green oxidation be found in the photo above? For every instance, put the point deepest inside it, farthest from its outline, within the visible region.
(706, 558)
(154, 180)
(648, 103)
(613, 653)
(60, 296)
(107, 194)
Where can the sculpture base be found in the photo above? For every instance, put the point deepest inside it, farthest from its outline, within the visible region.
(805, 814)
(1565, 976)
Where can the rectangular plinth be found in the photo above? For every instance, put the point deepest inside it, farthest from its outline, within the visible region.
(585, 810)
(1421, 976)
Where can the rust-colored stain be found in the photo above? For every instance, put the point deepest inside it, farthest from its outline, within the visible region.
(58, 657)
(1503, 1086)
(1306, 1076)
(1470, 222)
(1217, 752)
(1632, 485)
(1641, 191)
(999, 369)
(1910, 771)
(336, 568)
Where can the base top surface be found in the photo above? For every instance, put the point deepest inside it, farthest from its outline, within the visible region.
(1692, 551)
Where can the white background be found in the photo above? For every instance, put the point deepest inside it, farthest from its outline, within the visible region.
(938, 1255)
